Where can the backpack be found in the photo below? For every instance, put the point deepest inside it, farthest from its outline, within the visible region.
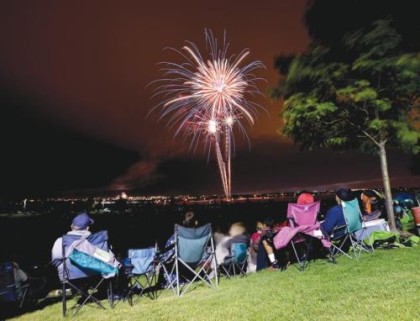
(89, 257)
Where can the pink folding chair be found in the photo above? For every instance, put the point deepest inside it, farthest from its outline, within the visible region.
(302, 215)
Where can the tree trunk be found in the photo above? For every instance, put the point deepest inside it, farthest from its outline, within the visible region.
(387, 187)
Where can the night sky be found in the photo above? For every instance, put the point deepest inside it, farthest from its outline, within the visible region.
(75, 100)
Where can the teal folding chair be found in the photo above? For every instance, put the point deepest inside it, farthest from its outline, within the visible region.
(194, 259)
(354, 223)
(237, 262)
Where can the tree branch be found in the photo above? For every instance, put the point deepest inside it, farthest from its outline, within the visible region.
(371, 138)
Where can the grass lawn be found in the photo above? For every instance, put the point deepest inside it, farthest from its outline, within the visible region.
(384, 285)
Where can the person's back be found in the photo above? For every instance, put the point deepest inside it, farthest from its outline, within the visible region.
(237, 234)
(266, 246)
(254, 244)
(168, 253)
(79, 228)
(335, 216)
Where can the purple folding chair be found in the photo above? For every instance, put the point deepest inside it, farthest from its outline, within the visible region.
(301, 215)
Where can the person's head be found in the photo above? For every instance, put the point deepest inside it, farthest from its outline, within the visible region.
(259, 226)
(189, 219)
(305, 198)
(237, 229)
(370, 194)
(269, 222)
(344, 194)
(81, 222)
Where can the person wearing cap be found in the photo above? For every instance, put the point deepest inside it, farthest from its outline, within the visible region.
(79, 227)
(335, 216)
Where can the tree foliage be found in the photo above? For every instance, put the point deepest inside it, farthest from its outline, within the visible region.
(328, 20)
(361, 99)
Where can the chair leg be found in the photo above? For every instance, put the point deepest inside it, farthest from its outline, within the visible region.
(89, 297)
(301, 263)
(110, 295)
(64, 298)
(339, 248)
(23, 297)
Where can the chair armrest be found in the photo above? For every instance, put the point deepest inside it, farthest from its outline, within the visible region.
(338, 228)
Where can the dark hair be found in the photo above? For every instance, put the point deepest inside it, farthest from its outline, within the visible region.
(370, 193)
(269, 222)
(189, 219)
(345, 194)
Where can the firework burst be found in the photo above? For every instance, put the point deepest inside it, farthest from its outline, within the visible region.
(204, 99)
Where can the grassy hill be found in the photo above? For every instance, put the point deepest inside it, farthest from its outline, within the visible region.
(384, 285)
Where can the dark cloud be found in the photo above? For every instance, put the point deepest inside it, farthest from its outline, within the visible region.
(40, 159)
(271, 165)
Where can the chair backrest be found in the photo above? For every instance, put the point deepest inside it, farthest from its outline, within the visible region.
(352, 216)
(71, 272)
(7, 282)
(239, 252)
(142, 259)
(192, 242)
(303, 214)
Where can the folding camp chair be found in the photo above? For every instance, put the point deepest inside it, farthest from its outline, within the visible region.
(142, 272)
(10, 291)
(194, 259)
(300, 215)
(235, 264)
(78, 277)
(347, 233)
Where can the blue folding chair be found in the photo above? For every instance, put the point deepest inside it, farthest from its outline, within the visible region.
(194, 259)
(142, 272)
(11, 292)
(237, 262)
(75, 277)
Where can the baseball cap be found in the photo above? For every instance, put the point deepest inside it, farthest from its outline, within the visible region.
(82, 221)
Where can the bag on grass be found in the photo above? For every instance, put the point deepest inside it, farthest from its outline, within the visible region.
(384, 239)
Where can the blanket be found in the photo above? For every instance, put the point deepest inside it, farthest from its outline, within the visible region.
(287, 233)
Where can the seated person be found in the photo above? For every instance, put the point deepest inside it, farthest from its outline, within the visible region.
(36, 285)
(270, 231)
(237, 233)
(79, 227)
(266, 248)
(369, 205)
(20, 280)
(219, 239)
(168, 252)
(335, 216)
(254, 244)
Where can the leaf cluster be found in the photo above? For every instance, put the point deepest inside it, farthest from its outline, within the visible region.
(365, 97)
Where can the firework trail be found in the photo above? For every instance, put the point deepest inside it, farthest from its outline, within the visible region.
(205, 98)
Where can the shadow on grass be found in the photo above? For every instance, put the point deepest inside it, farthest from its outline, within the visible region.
(10, 309)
